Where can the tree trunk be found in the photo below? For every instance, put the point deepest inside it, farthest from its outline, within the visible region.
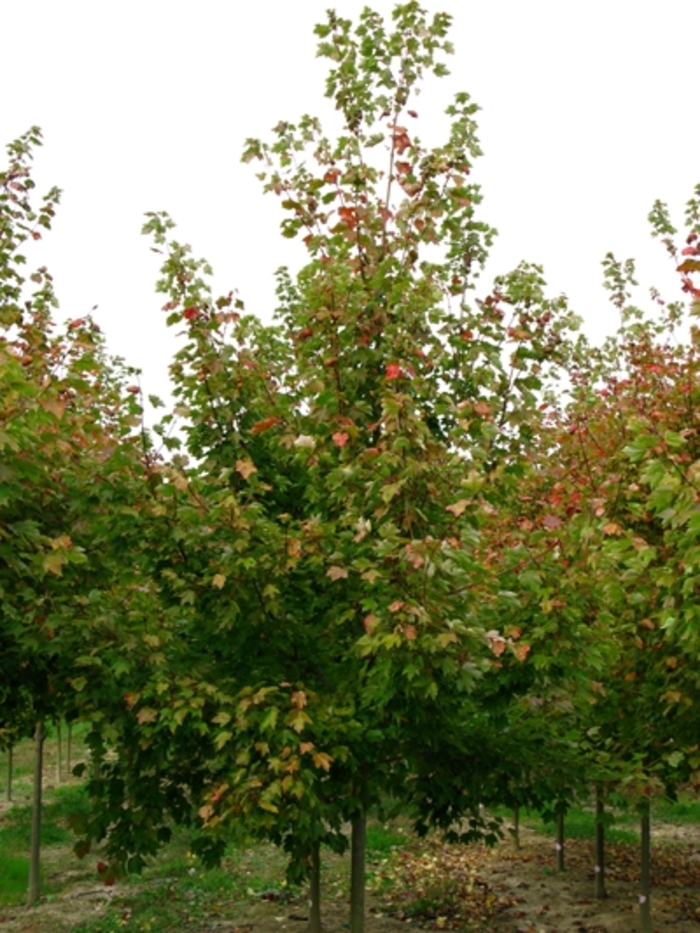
(357, 874)
(59, 762)
(315, 891)
(600, 891)
(34, 889)
(69, 741)
(515, 830)
(560, 842)
(645, 886)
(8, 786)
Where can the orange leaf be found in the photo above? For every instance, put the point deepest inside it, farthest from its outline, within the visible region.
(340, 438)
(263, 425)
(246, 468)
(521, 651)
(322, 760)
(612, 529)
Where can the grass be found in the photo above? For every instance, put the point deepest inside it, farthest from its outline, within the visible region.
(581, 824)
(14, 877)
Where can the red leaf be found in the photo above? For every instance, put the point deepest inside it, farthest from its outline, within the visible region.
(347, 214)
(688, 251)
(78, 322)
(263, 425)
(393, 371)
(190, 313)
(340, 438)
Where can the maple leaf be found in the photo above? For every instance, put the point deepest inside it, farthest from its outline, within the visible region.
(340, 438)
(322, 760)
(392, 371)
(246, 468)
(218, 580)
(264, 425)
(337, 573)
(612, 528)
(146, 714)
(457, 508)
(551, 522)
(521, 651)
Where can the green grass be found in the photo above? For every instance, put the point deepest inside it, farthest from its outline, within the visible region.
(581, 824)
(66, 803)
(14, 876)
(381, 840)
(683, 810)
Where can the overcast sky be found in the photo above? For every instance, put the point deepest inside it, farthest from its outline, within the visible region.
(589, 113)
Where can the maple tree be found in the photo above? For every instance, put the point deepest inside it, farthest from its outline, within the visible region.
(619, 496)
(69, 449)
(334, 610)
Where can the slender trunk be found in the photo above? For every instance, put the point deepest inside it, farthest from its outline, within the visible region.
(560, 841)
(645, 886)
(357, 874)
(8, 786)
(34, 889)
(315, 890)
(69, 742)
(515, 830)
(600, 891)
(59, 763)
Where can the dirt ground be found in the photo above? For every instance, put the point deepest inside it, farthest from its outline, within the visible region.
(511, 892)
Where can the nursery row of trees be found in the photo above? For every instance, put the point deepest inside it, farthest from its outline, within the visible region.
(414, 541)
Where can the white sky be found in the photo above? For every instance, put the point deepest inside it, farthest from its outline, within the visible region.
(589, 113)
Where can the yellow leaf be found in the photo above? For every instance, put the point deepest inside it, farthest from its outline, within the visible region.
(270, 807)
(457, 507)
(180, 482)
(153, 641)
(146, 715)
(337, 573)
(371, 576)
(297, 719)
(218, 580)
(447, 638)
(53, 563)
(246, 468)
